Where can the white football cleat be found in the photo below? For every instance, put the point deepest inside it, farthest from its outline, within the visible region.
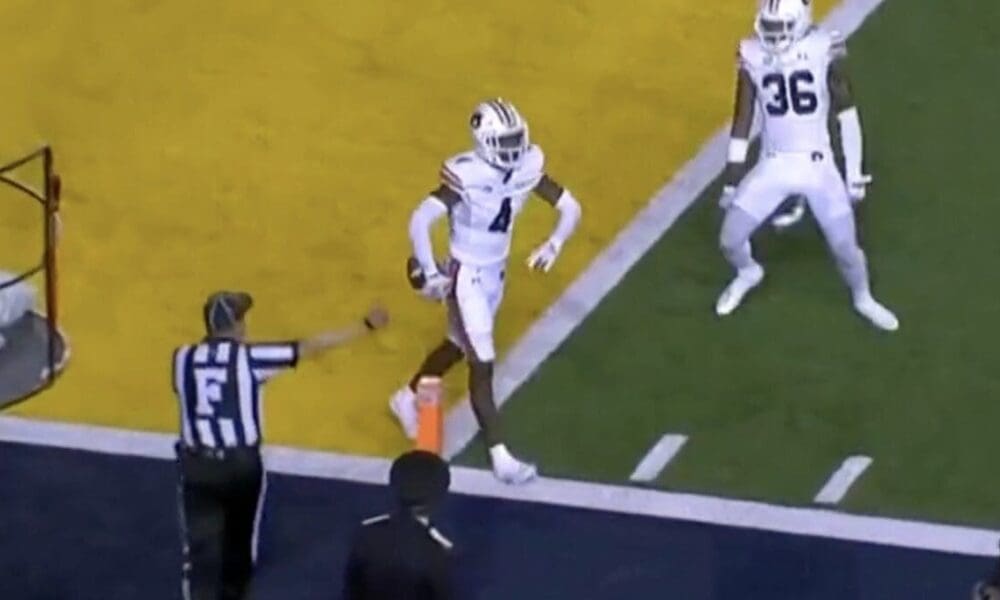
(403, 404)
(732, 296)
(515, 472)
(878, 315)
(510, 470)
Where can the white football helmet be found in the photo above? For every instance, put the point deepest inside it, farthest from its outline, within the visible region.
(781, 23)
(500, 133)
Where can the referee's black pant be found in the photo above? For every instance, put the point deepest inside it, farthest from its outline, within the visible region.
(219, 491)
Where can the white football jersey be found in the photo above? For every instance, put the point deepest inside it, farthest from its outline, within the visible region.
(482, 224)
(792, 91)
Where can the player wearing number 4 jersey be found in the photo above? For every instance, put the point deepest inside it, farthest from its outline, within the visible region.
(795, 73)
(481, 192)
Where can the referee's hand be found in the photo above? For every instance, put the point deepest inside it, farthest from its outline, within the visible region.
(377, 317)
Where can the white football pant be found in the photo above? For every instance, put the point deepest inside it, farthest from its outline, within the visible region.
(779, 176)
(472, 308)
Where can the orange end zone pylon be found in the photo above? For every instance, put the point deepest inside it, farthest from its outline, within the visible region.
(430, 434)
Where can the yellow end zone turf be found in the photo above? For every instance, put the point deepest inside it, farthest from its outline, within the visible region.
(280, 147)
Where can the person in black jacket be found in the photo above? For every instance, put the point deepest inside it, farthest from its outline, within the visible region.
(400, 555)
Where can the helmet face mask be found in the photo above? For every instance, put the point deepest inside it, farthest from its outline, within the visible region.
(510, 148)
(776, 35)
(500, 133)
(781, 23)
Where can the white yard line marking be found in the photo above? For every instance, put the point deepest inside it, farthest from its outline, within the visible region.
(842, 479)
(664, 451)
(558, 492)
(585, 293)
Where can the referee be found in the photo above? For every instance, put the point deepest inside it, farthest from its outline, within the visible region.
(218, 382)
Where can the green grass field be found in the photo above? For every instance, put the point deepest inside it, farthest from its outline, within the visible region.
(777, 395)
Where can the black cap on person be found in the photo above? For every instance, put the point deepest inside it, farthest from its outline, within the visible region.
(419, 478)
(223, 310)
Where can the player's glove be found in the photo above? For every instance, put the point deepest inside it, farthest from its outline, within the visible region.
(436, 287)
(544, 257)
(857, 187)
(727, 197)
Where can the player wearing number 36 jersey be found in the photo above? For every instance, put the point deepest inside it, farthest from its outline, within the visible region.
(795, 74)
(481, 192)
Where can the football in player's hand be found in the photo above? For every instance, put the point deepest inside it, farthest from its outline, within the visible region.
(415, 273)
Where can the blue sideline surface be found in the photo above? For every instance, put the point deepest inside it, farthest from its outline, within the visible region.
(78, 526)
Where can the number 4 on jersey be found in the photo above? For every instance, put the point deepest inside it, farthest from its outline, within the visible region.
(501, 222)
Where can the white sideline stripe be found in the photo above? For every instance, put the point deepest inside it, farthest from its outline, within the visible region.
(618, 499)
(555, 325)
(662, 452)
(842, 479)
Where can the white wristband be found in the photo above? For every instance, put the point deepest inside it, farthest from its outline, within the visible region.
(429, 211)
(738, 149)
(569, 215)
(852, 141)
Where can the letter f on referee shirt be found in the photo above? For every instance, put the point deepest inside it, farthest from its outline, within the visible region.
(218, 383)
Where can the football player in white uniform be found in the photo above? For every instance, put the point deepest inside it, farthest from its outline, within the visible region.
(481, 192)
(795, 73)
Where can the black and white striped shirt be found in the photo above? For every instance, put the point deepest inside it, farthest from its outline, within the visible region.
(218, 385)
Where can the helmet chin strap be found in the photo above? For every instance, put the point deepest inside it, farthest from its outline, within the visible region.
(780, 46)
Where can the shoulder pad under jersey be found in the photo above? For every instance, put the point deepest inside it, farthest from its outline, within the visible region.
(750, 54)
(463, 171)
(534, 162)
(838, 44)
(820, 42)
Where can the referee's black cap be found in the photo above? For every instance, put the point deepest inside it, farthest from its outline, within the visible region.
(223, 310)
(419, 478)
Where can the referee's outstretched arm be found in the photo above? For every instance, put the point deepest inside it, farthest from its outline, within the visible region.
(376, 318)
